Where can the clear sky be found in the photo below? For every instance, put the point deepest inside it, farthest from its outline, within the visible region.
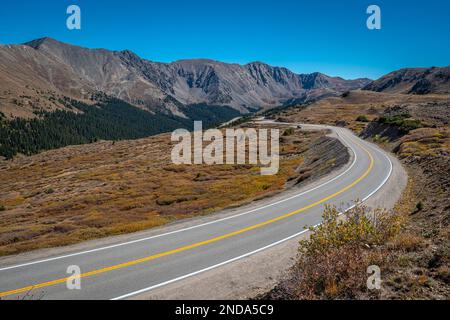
(304, 36)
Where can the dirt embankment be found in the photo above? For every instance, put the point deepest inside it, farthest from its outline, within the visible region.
(421, 265)
(323, 156)
(399, 120)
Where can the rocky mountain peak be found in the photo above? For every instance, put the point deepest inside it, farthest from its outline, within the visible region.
(36, 44)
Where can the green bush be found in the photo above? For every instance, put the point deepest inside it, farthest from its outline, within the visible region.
(395, 119)
(376, 138)
(403, 121)
(411, 124)
(362, 118)
(360, 227)
(419, 206)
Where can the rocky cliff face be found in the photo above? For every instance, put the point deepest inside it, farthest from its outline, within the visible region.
(52, 65)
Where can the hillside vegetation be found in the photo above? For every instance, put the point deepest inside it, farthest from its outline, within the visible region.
(106, 188)
(111, 119)
(415, 259)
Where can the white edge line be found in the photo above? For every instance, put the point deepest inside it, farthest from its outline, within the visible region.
(258, 250)
(189, 228)
(207, 269)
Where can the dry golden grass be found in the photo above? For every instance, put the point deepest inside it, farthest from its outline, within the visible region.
(78, 193)
(425, 142)
(339, 110)
(407, 242)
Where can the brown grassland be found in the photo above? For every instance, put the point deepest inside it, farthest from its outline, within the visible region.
(108, 188)
(345, 110)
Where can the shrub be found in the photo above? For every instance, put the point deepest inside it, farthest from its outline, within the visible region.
(394, 119)
(443, 273)
(333, 262)
(169, 200)
(403, 121)
(165, 201)
(362, 118)
(266, 186)
(359, 227)
(419, 206)
(288, 132)
(2, 208)
(411, 124)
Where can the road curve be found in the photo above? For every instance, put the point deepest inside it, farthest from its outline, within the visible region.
(126, 269)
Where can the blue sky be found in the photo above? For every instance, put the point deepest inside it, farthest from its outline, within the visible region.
(304, 36)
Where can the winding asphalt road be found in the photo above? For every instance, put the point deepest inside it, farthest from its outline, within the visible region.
(124, 270)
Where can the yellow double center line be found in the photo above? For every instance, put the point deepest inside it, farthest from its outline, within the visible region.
(195, 245)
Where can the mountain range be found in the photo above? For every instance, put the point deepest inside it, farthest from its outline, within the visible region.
(47, 65)
(54, 94)
(414, 81)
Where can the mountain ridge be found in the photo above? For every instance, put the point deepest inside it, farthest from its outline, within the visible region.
(158, 86)
(414, 81)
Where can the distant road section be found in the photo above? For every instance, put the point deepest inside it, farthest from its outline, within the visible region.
(126, 269)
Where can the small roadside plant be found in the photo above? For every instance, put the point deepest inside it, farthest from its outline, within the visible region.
(333, 262)
(288, 132)
(419, 206)
(362, 118)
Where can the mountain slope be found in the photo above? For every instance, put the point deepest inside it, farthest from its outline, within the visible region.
(414, 81)
(112, 119)
(163, 87)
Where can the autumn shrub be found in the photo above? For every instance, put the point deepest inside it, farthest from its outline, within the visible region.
(362, 118)
(288, 132)
(419, 206)
(333, 262)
